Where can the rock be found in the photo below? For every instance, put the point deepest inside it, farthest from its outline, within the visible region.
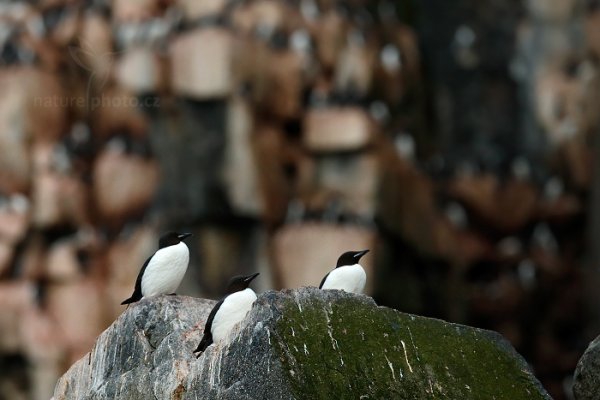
(279, 83)
(264, 16)
(507, 206)
(57, 198)
(303, 343)
(141, 70)
(191, 186)
(95, 53)
(148, 349)
(337, 129)
(272, 155)
(16, 298)
(117, 110)
(44, 350)
(399, 65)
(331, 29)
(14, 218)
(587, 380)
(201, 63)
(124, 184)
(64, 29)
(15, 167)
(62, 263)
(193, 10)
(135, 11)
(552, 10)
(70, 303)
(240, 172)
(348, 183)
(592, 30)
(354, 66)
(6, 256)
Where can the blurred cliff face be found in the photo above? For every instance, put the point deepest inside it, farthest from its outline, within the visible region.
(451, 138)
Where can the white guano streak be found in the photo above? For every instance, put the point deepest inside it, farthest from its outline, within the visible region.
(406, 356)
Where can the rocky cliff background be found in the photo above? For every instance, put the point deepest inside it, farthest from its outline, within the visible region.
(454, 139)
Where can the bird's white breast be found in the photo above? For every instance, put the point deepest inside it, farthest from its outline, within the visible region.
(165, 270)
(350, 278)
(233, 310)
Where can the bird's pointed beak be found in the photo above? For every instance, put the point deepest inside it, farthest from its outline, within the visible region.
(249, 278)
(359, 254)
(183, 236)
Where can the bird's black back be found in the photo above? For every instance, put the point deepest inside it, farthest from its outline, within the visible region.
(137, 291)
(323, 281)
(207, 337)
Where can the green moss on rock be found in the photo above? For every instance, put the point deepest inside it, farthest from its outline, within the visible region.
(340, 345)
(294, 345)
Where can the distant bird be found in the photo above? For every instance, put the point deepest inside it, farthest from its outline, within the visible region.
(348, 274)
(163, 271)
(230, 310)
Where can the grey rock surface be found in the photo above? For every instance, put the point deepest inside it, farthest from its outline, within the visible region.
(297, 344)
(586, 385)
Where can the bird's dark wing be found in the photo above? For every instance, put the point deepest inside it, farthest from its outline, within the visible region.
(137, 291)
(207, 337)
(323, 281)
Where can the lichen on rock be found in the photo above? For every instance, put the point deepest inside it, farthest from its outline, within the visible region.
(586, 382)
(297, 344)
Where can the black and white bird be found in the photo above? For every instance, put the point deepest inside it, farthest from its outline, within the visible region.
(230, 310)
(348, 274)
(163, 271)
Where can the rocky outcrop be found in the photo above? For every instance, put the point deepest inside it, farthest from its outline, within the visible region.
(586, 385)
(297, 344)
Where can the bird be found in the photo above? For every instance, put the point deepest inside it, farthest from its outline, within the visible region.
(348, 274)
(163, 271)
(230, 310)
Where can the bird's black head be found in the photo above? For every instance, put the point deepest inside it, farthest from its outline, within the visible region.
(240, 282)
(350, 258)
(171, 239)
